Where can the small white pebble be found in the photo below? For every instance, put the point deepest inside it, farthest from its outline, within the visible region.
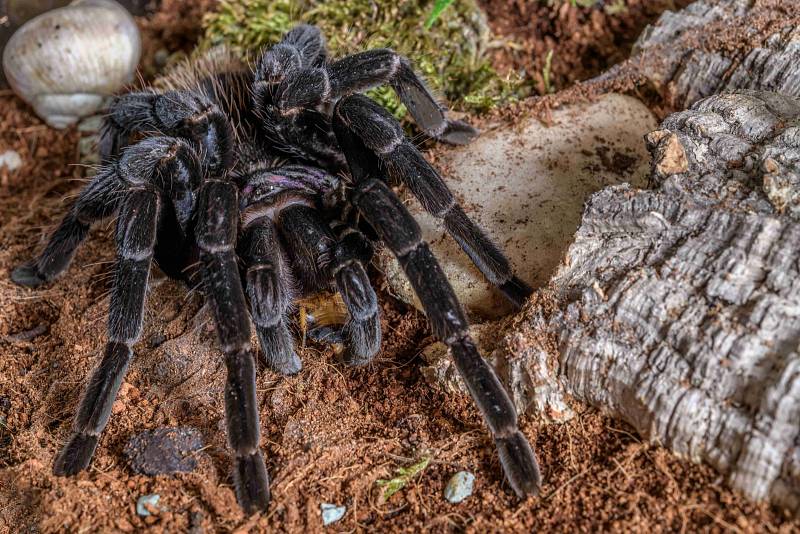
(144, 500)
(10, 159)
(459, 487)
(331, 513)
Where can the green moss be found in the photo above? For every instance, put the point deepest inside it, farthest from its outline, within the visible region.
(451, 54)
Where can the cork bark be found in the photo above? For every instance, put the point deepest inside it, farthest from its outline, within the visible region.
(717, 46)
(677, 308)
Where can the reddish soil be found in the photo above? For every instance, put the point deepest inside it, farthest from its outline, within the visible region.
(328, 434)
(584, 41)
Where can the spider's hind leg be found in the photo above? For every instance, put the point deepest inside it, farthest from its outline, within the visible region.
(362, 71)
(381, 208)
(189, 115)
(96, 201)
(289, 79)
(379, 133)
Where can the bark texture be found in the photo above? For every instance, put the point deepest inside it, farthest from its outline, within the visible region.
(717, 46)
(677, 308)
(680, 306)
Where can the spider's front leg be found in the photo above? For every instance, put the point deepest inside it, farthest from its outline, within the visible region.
(288, 82)
(323, 258)
(397, 228)
(268, 284)
(216, 231)
(143, 170)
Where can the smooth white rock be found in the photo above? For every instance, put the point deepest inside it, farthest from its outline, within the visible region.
(526, 185)
(459, 487)
(331, 513)
(11, 160)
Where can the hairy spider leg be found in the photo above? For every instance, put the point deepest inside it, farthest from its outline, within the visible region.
(98, 200)
(140, 169)
(307, 87)
(189, 115)
(304, 133)
(362, 71)
(268, 282)
(216, 231)
(381, 208)
(380, 133)
(303, 46)
(363, 330)
(314, 244)
(126, 114)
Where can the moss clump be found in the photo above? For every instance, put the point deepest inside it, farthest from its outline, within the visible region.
(451, 54)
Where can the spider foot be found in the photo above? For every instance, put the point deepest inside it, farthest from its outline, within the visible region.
(251, 482)
(28, 276)
(458, 133)
(363, 341)
(278, 348)
(516, 291)
(76, 455)
(519, 464)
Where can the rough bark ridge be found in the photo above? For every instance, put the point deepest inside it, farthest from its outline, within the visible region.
(678, 308)
(716, 46)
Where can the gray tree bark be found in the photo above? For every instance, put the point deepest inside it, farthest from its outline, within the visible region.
(677, 308)
(717, 46)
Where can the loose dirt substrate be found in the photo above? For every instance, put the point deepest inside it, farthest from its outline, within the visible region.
(584, 41)
(328, 434)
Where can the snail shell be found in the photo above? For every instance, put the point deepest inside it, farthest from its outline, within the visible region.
(66, 61)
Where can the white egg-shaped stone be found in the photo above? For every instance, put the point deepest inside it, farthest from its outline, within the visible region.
(65, 62)
(526, 185)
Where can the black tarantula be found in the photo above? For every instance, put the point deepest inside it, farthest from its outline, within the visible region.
(251, 183)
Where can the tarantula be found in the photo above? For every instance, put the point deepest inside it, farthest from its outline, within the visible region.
(251, 183)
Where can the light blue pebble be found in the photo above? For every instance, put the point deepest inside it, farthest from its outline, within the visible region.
(151, 499)
(331, 513)
(459, 487)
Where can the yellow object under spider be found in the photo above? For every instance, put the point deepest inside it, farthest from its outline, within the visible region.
(326, 310)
